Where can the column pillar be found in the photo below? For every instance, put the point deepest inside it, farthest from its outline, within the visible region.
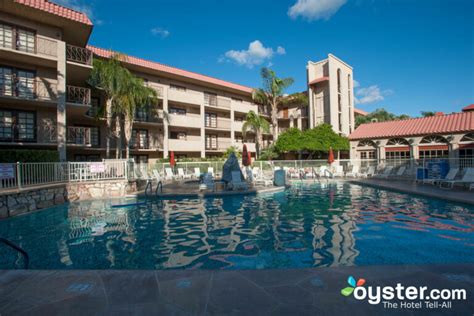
(232, 126)
(203, 131)
(300, 123)
(165, 124)
(61, 106)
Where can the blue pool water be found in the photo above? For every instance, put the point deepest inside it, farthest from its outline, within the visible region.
(305, 226)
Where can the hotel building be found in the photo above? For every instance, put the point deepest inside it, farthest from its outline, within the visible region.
(46, 103)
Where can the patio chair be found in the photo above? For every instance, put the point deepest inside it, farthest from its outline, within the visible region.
(197, 172)
(210, 170)
(471, 186)
(293, 173)
(467, 178)
(449, 177)
(237, 182)
(385, 173)
(207, 182)
(400, 171)
(324, 172)
(169, 175)
(338, 171)
(354, 173)
(182, 175)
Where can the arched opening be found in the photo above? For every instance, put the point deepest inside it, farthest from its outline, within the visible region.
(367, 149)
(397, 149)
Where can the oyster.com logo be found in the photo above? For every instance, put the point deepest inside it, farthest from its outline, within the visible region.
(353, 284)
(400, 296)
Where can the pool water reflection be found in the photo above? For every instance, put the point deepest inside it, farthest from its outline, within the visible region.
(305, 226)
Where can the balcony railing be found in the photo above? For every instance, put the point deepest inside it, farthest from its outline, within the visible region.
(78, 95)
(29, 89)
(219, 123)
(78, 54)
(43, 46)
(78, 135)
(213, 100)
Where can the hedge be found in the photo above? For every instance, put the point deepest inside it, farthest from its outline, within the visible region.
(28, 155)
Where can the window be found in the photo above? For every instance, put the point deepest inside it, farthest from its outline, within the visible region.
(141, 113)
(17, 38)
(370, 154)
(17, 82)
(433, 139)
(25, 40)
(177, 88)
(94, 109)
(397, 142)
(394, 155)
(139, 139)
(95, 136)
(338, 80)
(239, 119)
(468, 138)
(237, 100)
(239, 139)
(211, 142)
(438, 153)
(17, 126)
(6, 36)
(211, 120)
(142, 159)
(366, 143)
(210, 98)
(177, 111)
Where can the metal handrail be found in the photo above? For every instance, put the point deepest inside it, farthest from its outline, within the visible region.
(19, 249)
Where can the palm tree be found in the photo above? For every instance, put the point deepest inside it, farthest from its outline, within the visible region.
(259, 125)
(271, 94)
(110, 77)
(135, 94)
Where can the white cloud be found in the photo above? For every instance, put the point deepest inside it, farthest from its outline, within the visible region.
(312, 10)
(255, 55)
(356, 84)
(160, 32)
(371, 94)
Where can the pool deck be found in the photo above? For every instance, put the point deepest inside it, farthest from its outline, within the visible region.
(310, 291)
(454, 195)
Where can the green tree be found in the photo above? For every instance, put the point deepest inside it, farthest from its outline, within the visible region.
(427, 113)
(379, 115)
(290, 140)
(109, 77)
(271, 94)
(232, 149)
(269, 153)
(259, 125)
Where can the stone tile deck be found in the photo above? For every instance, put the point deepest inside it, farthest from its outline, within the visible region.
(312, 291)
(455, 195)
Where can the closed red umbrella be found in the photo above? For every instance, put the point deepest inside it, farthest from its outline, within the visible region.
(250, 158)
(245, 156)
(172, 161)
(331, 156)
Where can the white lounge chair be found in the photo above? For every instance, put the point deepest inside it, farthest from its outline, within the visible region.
(338, 171)
(237, 182)
(210, 170)
(449, 177)
(182, 175)
(324, 172)
(197, 172)
(471, 186)
(293, 173)
(354, 173)
(169, 175)
(370, 172)
(400, 171)
(386, 172)
(467, 178)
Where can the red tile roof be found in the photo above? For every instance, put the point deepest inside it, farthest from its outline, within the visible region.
(171, 70)
(360, 112)
(318, 80)
(56, 9)
(443, 124)
(468, 108)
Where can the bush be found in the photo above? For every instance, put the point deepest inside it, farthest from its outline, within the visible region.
(28, 155)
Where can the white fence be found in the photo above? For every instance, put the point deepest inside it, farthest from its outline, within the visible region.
(22, 175)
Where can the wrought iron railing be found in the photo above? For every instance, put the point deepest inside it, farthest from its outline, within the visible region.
(78, 54)
(78, 135)
(78, 95)
(28, 89)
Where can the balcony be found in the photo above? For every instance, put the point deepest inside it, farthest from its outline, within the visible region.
(184, 145)
(78, 95)
(244, 107)
(42, 46)
(28, 89)
(264, 110)
(217, 102)
(221, 145)
(78, 55)
(188, 120)
(188, 96)
(220, 123)
(80, 136)
(148, 116)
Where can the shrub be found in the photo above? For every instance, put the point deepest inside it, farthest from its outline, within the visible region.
(28, 155)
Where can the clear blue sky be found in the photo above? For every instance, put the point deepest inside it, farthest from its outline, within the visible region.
(408, 56)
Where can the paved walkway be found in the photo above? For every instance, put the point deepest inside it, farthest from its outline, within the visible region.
(455, 195)
(314, 291)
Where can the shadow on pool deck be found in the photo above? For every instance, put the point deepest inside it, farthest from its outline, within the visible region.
(299, 292)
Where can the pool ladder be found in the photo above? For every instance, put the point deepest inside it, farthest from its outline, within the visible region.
(19, 249)
(149, 184)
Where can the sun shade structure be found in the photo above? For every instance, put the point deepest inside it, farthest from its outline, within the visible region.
(331, 156)
(172, 161)
(245, 156)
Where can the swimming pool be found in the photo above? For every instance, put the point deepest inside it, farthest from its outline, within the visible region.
(305, 226)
